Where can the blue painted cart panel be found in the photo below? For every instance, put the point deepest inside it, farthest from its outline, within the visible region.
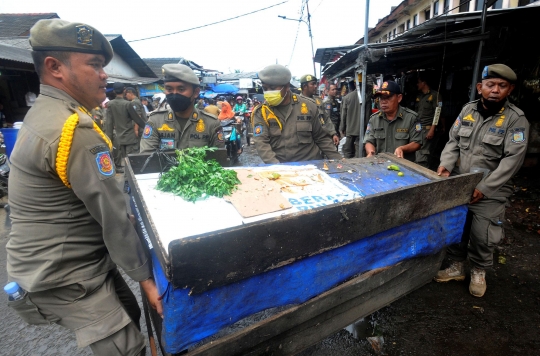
(189, 319)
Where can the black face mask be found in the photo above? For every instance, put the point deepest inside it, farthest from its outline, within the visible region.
(493, 107)
(178, 102)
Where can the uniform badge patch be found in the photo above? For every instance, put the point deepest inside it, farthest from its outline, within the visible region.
(418, 127)
(147, 131)
(500, 121)
(318, 101)
(104, 163)
(430, 98)
(84, 35)
(469, 118)
(328, 106)
(368, 128)
(220, 136)
(200, 126)
(164, 127)
(519, 135)
(304, 110)
(170, 116)
(321, 119)
(195, 115)
(457, 123)
(258, 130)
(166, 144)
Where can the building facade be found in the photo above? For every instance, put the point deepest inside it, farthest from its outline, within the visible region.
(411, 13)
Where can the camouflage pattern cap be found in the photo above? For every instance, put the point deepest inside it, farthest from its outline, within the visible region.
(499, 71)
(275, 74)
(176, 72)
(61, 35)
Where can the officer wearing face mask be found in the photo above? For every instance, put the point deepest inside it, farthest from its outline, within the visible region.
(490, 136)
(286, 127)
(181, 125)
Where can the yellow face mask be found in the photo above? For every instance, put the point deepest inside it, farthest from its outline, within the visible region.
(273, 97)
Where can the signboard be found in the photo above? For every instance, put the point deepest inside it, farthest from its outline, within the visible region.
(245, 83)
(209, 79)
(150, 89)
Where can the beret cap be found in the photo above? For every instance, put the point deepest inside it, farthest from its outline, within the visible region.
(499, 71)
(275, 74)
(306, 78)
(65, 36)
(176, 72)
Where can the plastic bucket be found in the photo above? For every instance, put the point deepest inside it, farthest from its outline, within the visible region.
(10, 136)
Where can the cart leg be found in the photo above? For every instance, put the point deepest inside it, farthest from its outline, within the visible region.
(152, 342)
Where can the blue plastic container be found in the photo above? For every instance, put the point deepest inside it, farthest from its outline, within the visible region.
(10, 136)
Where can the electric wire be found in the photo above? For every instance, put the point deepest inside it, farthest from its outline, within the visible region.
(209, 24)
(297, 30)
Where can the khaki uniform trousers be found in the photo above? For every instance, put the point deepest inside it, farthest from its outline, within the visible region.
(483, 231)
(350, 148)
(102, 311)
(424, 155)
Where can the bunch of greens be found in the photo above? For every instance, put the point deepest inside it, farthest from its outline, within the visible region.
(194, 177)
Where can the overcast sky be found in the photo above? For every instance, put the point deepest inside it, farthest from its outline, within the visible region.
(247, 44)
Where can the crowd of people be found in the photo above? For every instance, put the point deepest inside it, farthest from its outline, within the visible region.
(70, 227)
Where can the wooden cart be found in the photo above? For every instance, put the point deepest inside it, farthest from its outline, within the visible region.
(319, 269)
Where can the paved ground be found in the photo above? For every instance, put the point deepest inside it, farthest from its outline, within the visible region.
(437, 319)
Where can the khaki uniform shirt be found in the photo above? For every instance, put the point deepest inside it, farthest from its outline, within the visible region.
(387, 135)
(294, 134)
(326, 124)
(163, 131)
(97, 116)
(350, 114)
(331, 110)
(121, 118)
(495, 146)
(425, 106)
(59, 235)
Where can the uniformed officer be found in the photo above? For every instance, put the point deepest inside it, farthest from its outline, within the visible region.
(350, 121)
(332, 108)
(287, 127)
(135, 103)
(394, 129)
(489, 136)
(308, 85)
(70, 227)
(181, 125)
(427, 101)
(120, 125)
(97, 116)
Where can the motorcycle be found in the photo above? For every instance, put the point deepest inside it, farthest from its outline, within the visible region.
(246, 125)
(232, 138)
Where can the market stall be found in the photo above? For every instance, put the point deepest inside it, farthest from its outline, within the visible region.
(296, 252)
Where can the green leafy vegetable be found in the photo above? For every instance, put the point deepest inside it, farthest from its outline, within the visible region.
(194, 177)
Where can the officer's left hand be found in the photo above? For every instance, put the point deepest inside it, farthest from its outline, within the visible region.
(431, 133)
(152, 294)
(399, 152)
(476, 196)
(336, 140)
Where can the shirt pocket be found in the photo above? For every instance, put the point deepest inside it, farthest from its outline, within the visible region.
(303, 131)
(492, 145)
(380, 136)
(402, 138)
(464, 134)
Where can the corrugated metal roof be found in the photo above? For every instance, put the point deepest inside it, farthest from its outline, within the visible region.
(20, 24)
(16, 41)
(156, 63)
(11, 53)
(131, 80)
(236, 76)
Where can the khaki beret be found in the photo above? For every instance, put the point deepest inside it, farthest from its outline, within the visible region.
(61, 35)
(275, 74)
(306, 78)
(499, 71)
(176, 72)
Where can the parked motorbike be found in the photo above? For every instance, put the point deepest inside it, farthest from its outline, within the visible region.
(246, 125)
(4, 175)
(232, 138)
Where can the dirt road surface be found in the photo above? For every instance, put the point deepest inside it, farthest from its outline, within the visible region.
(437, 319)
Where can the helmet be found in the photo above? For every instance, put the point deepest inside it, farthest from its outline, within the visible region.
(160, 96)
(239, 98)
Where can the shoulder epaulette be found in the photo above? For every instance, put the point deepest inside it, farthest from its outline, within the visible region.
(210, 115)
(516, 109)
(472, 102)
(410, 111)
(157, 112)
